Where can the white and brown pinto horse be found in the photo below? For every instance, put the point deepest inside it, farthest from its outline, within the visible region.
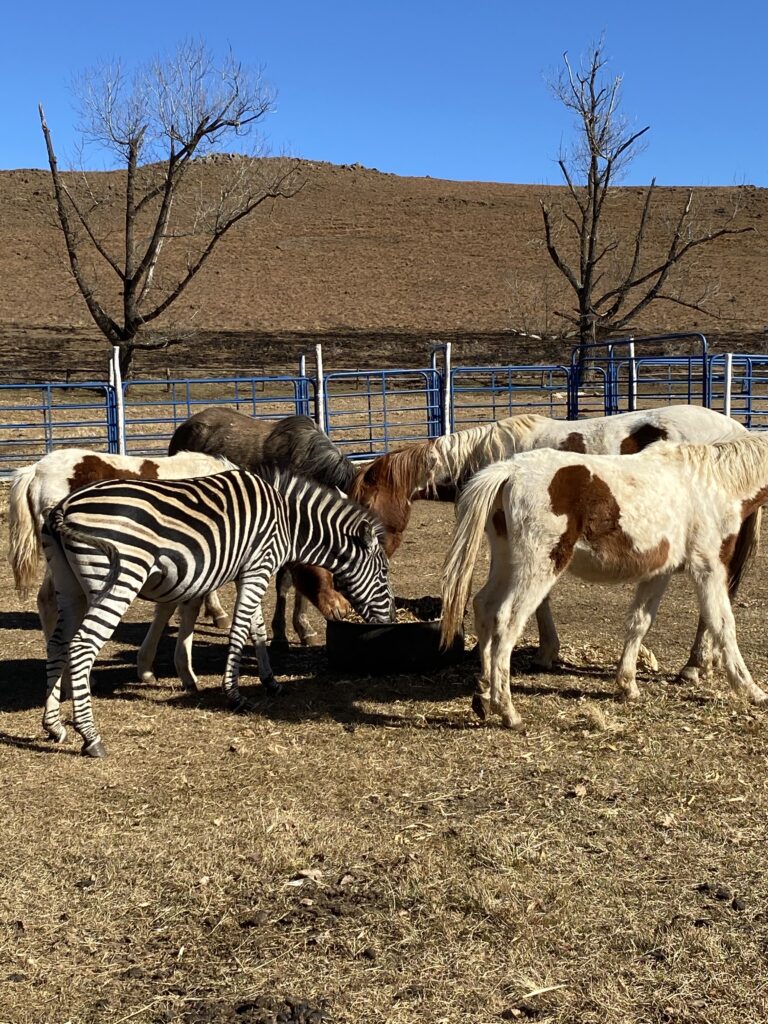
(442, 466)
(605, 519)
(35, 489)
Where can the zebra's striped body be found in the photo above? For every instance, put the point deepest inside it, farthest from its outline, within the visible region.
(173, 542)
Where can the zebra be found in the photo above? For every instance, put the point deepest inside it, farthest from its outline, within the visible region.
(173, 542)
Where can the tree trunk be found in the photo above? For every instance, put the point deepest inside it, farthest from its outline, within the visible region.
(127, 352)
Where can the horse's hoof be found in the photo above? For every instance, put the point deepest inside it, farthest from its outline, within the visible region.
(148, 679)
(759, 698)
(94, 749)
(480, 706)
(280, 644)
(689, 674)
(272, 686)
(222, 622)
(513, 722)
(307, 638)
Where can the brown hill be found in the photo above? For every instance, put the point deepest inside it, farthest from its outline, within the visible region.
(375, 266)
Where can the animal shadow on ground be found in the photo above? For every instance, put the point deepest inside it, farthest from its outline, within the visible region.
(19, 620)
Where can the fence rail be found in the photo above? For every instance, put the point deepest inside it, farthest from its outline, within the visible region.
(367, 412)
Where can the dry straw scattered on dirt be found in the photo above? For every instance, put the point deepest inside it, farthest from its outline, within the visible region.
(361, 850)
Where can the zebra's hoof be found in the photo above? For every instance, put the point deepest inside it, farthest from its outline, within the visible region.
(241, 706)
(94, 749)
(58, 735)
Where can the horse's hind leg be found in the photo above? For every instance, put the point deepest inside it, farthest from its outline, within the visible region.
(182, 657)
(301, 622)
(642, 612)
(46, 605)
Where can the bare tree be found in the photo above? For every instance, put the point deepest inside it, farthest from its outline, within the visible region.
(613, 279)
(135, 241)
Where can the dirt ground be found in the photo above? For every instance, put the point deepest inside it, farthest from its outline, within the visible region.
(361, 849)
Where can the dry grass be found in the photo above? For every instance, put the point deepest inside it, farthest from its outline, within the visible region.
(361, 850)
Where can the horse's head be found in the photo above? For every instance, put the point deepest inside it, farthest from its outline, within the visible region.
(388, 485)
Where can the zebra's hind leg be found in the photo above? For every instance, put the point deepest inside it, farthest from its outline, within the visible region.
(57, 666)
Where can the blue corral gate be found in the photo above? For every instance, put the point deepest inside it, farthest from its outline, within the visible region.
(483, 393)
(36, 418)
(367, 412)
(738, 386)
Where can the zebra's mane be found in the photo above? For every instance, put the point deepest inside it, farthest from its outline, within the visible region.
(298, 486)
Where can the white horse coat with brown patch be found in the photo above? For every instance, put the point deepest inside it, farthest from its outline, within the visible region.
(605, 519)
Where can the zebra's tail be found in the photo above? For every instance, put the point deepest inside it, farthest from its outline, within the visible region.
(472, 512)
(61, 530)
(25, 548)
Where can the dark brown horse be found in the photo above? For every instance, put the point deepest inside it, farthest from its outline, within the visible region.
(295, 443)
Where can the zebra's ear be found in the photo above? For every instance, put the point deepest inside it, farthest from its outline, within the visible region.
(367, 534)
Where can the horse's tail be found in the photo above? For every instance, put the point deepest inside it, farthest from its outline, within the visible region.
(472, 512)
(24, 522)
(60, 529)
(745, 551)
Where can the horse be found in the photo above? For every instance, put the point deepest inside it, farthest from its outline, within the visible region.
(38, 487)
(294, 443)
(390, 483)
(670, 508)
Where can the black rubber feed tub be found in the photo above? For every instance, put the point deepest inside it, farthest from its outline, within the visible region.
(404, 646)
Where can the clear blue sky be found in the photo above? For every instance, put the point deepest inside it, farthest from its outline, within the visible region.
(447, 88)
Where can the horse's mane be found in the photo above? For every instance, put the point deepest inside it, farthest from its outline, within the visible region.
(740, 465)
(298, 444)
(464, 452)
(400, 473)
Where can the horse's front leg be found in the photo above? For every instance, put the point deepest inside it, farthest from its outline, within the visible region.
(145, 659)
(549, 641)
(283, 582)
(700, 660)
(182, 656)
(715, 607)
(214, 610)
(317, 585)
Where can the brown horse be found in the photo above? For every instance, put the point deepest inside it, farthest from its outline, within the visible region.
(295, 443)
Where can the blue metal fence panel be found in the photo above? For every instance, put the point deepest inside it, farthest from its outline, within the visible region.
(154, 408)
(35, 419)
(633, 370)
(747, 400)
(368, 412)
(483, 393)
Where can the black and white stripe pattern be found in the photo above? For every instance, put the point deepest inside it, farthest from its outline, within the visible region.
(173, 542)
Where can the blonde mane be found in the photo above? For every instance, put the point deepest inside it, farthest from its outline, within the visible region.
(740, 466)
(464, 452)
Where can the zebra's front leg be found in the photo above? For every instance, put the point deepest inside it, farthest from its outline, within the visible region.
(259, 638)
(250, 591)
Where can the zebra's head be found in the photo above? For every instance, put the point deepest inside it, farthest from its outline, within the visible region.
(362, 573)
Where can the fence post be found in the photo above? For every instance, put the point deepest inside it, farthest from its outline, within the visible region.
(727, 382)
(320, 389)
(632, 376)
(116, 381)
(447, 390)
